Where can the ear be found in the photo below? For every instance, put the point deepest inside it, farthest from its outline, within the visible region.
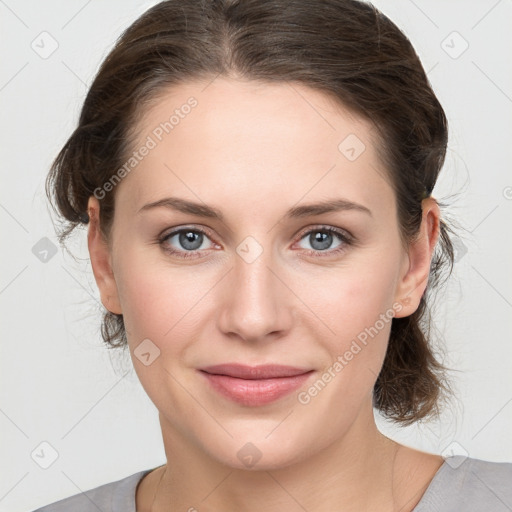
(101, 260)
(416, 269)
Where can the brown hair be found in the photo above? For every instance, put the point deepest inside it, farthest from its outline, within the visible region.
(346, 49)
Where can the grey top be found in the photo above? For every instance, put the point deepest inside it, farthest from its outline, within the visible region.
(467, 484)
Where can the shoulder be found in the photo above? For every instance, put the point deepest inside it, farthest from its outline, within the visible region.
(464, 483)
(118, 496)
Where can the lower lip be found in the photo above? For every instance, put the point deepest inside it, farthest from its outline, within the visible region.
(255, 392)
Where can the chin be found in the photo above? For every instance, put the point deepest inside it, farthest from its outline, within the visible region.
(255, 453)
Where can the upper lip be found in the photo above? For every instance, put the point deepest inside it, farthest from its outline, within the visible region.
(242, 371)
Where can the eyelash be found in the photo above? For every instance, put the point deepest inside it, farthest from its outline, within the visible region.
(345, 238)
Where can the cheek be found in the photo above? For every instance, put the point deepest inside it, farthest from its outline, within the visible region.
(161, 302)
(352, 298)
(152, 301)
(356, 304)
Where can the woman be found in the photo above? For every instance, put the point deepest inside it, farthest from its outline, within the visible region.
(256, 177)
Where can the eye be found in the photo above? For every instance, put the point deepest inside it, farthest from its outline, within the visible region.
(321, 239)
(185, 242)
(189, 242)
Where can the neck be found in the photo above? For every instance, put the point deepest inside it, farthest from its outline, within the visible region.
(360, 471)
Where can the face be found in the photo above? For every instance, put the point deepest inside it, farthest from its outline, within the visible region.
(267, 281)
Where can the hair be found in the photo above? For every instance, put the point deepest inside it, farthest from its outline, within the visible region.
(346, 49)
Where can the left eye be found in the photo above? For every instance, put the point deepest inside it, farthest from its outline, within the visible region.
(322, 239)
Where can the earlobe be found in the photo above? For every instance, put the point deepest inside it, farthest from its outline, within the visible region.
(414, 277)
(100, 255)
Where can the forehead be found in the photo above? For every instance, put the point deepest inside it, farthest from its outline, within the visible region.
(231, 138)
(229, 110)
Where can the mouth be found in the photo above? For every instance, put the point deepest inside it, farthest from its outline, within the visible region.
(255, 385)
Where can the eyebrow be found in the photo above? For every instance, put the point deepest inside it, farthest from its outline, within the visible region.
(296, 212)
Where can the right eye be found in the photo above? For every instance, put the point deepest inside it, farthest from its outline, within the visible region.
(184, 242)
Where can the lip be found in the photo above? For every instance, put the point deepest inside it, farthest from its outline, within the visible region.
(255, 385)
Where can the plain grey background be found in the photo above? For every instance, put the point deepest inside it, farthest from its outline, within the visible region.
(73, 415)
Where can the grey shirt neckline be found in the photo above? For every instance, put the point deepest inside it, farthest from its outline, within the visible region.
(123, 499)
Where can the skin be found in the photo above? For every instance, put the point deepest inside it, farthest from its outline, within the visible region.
(253, 151)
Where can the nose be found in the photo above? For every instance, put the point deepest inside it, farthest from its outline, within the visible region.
(255, 301)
